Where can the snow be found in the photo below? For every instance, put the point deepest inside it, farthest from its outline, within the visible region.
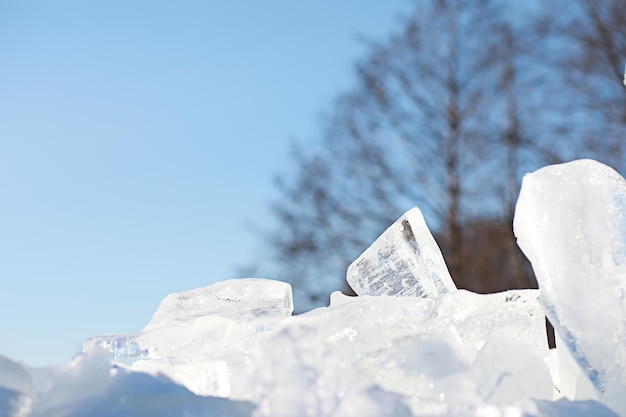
(410, 345)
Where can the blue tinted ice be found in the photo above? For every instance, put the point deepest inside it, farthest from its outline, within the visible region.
(570, 221)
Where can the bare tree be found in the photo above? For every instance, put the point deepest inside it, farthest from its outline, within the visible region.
(589, 53)
(436, 120)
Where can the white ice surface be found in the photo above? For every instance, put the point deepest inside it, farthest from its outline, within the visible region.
(570, 221)
(260, 302)
(460, 354)
(404, 261)
(204, 338)
(233, 348)
(444, 356)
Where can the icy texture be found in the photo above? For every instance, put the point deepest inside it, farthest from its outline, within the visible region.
(261, 302)
(203, 338)
(460, 354)
(16, 389)
(575, 384)
(89, 386)
(564, 408)
(570, 222)
(422, 353)
(233, 348)
(404, 261)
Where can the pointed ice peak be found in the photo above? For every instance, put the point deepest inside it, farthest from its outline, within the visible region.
(404, 261)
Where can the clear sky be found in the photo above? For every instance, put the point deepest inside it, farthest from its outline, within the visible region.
(138, 140)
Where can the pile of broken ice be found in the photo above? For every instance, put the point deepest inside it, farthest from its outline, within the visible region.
(410, 344)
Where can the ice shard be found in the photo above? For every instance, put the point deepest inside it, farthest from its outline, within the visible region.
(203, 338)
(262, 302)
(404, 261)
(570, 221)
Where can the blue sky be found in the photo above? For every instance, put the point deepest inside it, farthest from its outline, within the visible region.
(138, 141)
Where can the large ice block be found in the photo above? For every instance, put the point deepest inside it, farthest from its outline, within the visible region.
(263, 302)
(404, 261)
(570, 221)
(203, 338)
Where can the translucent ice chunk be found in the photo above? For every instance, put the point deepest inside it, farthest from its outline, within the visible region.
(203, 338)
(573, 383)
(501, 380)
(89, 386)
(123, 347)
(202, 377)
(16, 389)
(570, 221)
(372, 402)
(14, 377)
(263, 302)
(404, 261)
(476, 316)
(87, 376)
(566, 408)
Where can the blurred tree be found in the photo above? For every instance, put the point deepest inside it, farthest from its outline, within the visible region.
(445, 115)
(592, 56)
